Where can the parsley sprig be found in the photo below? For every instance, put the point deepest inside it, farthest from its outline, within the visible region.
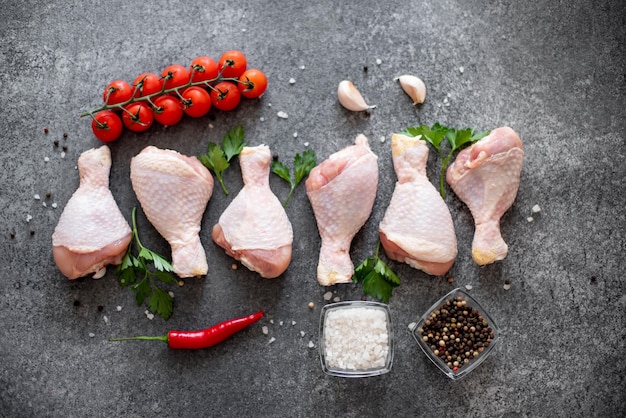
(217, 158)
(377, 277)
(137, 267)
(457, 139)
(302, 166)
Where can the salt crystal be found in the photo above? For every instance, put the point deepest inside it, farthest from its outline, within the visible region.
(91, 335)
(265, 330)
(271, 321)
(171, 294)
(46, 159)
(507, 286)
(292, 81)
(63, 154)
(293, 322)
(119, 308)
(302, 67)
(536, 209)
(28, 218)
(382, 139)
(271, 340)
(37, 197)
(461, 70)
(243, 30)
(280, 323)
(412, 326)
(336, 299)
(378, 61)
(210, 126)
(150, 316)
(105, 319)
(468, 286)
(306, 144)
(44, 204)
(311, 345)
(282, 115)
(262, 119)
(54, 205)
(530, 219)
(295, 134)
(328, 295)
(302, 333)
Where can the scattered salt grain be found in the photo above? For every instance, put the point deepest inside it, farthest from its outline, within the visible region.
(302, 67)
(262, 119)
(282, 115)
(328, 295)
(28, 218)
(530, 219)
(507, 286)
(306, 144)
(336, 299)
(54, 205)
(412, 326)
(106, 319)
(91, 335)
(461, 70)
(280, 323)
(356, 338)
(468, 286)
(46, 159)
(292, 81)
(311, 345)
(37, 197)
(265, 330)
(119, 308)
(44, 204)
(271, 321)
(63, 154)
(536, 209)
(210, 126)
(149, 315)
(378, 61)
(295, 134)
(171, 294)
(271, 340)
(293, 322)
(302, 334)
(382, 139)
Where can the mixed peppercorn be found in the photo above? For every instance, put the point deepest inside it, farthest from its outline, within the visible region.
(456, 333)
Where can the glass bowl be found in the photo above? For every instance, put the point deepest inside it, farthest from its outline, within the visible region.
(356, 339)
(477, 336)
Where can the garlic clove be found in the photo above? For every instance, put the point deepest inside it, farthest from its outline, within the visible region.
(414, 87)
(350, 98)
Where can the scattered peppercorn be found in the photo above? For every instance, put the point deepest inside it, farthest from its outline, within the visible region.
(593, 279)
(77, 302)
(56, 143)
(64, 135)
(365, 68)
(12, 234)
(457, 333)
(45, 130)
(451, 279)
(48, 195)
(64, 147)
(100, 308)
(32, 232)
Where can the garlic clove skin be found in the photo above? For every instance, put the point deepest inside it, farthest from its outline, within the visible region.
(414, 87)
(351, 98)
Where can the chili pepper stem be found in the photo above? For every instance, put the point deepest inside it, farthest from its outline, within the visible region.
(141, 338)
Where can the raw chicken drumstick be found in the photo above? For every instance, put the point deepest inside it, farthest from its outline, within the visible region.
(342, 190)
(254, 228)
(91, 232)
(417, 228)
(486, 177)
(174, 190)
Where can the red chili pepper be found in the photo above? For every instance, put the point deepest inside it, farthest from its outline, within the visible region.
(194, 340)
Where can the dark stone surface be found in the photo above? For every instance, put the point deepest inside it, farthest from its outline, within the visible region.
(553, 71)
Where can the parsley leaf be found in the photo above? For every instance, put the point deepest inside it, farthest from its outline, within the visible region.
(377, 278)
(137, 267)
(302, 165)
(217, 158)
(456, 138)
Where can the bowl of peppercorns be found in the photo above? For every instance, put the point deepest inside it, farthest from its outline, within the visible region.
(456, 334)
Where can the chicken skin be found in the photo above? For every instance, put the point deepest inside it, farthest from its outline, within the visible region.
(486, 177)
(174, 190)
(342, 190)
(92, 232)
(254, 228)
(417, 228)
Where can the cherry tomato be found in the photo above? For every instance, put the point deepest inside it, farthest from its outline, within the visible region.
(205, 69)
(252, 84)
(175, 75)
(168, 110)
(225, 96)
(106, 126)
(196, 102)
(151, 83)
(117, 91)
(137, 117)
(232, 64)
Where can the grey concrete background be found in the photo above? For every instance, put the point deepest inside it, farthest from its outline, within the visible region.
(554, 71)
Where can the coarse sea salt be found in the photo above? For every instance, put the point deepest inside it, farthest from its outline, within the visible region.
(356, 338)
